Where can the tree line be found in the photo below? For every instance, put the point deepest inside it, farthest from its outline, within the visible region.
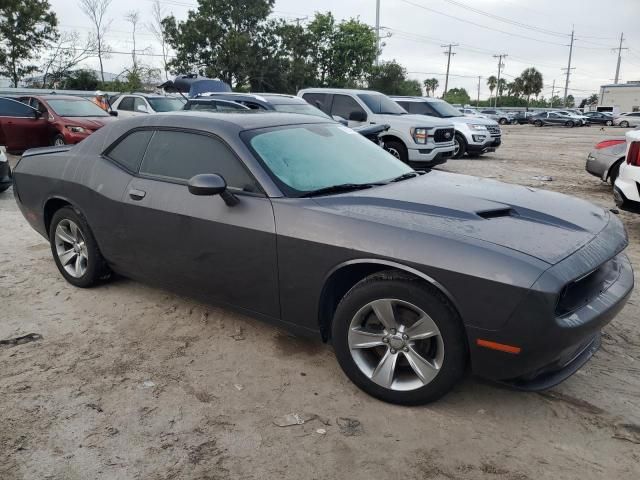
(238, 42)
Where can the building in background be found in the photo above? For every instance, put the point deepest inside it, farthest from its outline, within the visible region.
(620, 97)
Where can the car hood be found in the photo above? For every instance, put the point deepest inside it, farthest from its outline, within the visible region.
(472, 120)
(413, 120)
(92, 123)
(546, 225)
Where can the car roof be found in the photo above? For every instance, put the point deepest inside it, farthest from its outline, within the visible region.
(55, 97)
(352, 91)
(273, 98)
(415, 99)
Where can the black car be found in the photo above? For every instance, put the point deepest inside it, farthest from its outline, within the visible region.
(267, 101)
(213, 105)
(295, 219)
(600, 118)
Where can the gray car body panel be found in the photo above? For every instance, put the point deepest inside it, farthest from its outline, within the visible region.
(600, 161)
(498, 252)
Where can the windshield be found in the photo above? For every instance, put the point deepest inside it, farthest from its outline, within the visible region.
(381, 104)
(445, 109)
(76, 108)
(165, 104)
(303, 158)
(303, 108)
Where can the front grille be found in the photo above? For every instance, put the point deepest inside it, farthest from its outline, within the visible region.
(443, 135)
(493, 130)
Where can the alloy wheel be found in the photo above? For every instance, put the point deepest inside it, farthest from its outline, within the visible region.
(456, 146)
(393, 152)
(58, 142)
(396, 344)
(71, 248)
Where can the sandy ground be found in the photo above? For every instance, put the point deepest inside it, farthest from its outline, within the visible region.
(129, 382)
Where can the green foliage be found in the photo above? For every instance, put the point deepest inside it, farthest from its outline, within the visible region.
(80, 80)
(492, 82)
(26, 26)
(431, 85)
(532, 82)
(457, 96)
(571, 101)
(391, 78)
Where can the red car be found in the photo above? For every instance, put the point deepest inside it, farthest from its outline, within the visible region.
(37, 121)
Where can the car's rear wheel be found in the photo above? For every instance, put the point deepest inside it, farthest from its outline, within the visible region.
(503, 121)
(624, 124)
(399, 339)
(397, 149)
(608, 123)
(58, 140)
(569, 124)
(74, 249)
(459, 146)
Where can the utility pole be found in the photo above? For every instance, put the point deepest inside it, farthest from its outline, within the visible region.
(553, 91)
(377, 32)
(448, 53)
(500, 65)
(619, 57)
(478, 101)
(566, 83)
(299, 19)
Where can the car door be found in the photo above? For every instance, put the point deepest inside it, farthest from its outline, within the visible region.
(198, 244)
(124, 106)
(140, 106)
(21, 126)
(346, 107)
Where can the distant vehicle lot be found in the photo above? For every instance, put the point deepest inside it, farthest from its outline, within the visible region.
(149, 378)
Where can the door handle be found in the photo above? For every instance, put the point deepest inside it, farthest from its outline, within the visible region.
(137, 194)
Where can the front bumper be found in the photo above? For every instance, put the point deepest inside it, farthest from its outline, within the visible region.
(430, 155)
(554, 342)
(598, 165)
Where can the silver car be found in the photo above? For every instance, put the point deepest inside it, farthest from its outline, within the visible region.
(627, 119)
(604, 161)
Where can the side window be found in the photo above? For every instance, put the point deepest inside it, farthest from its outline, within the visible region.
(126, 104)
(343, 106)
(252, 106)
(318, 100)
(13, 108)
(139, 102)
(130, 150)
(38, 106)
(421, 108)
(181, 155)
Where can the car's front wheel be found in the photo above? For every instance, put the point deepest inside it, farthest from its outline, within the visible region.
(569, 124)
(608, 123)
(397, 149)
(459, 146)
(503, 121)
(58, 140)
(624, 124)
(399, 339)
(538, 123)
(74, 249)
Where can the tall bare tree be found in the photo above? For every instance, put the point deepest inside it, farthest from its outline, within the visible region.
(133, 17)
(96, 11)
(157, 29)
(68, 51)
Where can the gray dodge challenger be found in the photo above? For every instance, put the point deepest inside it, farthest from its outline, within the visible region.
(414, 277)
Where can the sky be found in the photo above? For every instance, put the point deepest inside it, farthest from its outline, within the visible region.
(529, 34)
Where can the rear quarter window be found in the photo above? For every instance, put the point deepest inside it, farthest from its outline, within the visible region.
(129, 151)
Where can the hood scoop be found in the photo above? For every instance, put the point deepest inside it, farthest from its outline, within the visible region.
(497, 213)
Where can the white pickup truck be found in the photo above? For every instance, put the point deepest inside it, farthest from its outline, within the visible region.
(415, 139)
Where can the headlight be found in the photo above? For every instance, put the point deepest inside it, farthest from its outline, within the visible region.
(477, 126)
(420, 135)
(75, 129)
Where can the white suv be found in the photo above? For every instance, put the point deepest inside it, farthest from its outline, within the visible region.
(133, 104)
(474, 135)
(415, 139)
(627, 187)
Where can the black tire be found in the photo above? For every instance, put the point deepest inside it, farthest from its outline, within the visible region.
(538, 123)
(4, 188)
(608, 123)
(58, 140)
(624, 124)
(569, 124)
(395, 285)
(503, 121)
(460, 141)
(614, 171)
(96, 267)
(397, 149)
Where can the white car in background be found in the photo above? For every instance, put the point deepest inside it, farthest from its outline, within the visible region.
(134, 104)
(627, 187)
(627, 119)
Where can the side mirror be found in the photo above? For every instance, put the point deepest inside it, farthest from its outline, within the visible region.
(142, 109)
(358, 116)
(209, 184)
(113, 113)
(37, 114)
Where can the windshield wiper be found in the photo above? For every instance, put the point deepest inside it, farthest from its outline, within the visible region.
(405, 176)
(343, 187)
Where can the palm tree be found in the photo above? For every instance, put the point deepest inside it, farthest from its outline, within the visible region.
(492, 82)
(501, 86)
(431, 85)
(531, 82)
